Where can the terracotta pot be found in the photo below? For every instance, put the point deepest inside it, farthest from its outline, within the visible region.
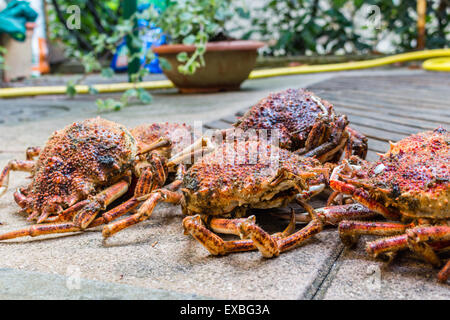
(227, 65)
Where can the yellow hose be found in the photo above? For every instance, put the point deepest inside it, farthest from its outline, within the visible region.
(437, 64)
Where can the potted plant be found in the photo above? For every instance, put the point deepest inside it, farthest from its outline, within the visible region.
(203, 58)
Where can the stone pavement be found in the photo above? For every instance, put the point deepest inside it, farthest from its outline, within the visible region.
(154, 260)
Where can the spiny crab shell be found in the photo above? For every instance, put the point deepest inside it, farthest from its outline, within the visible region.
(294, 113)
(180, 135)
(247, 176)
(412, 178)
(76, 162)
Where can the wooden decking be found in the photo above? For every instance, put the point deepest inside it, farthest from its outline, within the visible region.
(383, 108)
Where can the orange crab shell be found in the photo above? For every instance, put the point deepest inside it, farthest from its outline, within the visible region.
(76, 162)
(180, 135)
(231, 177)
(413, 177)
(293, 113)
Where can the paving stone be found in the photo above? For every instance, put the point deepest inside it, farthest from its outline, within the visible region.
(357, 276)
(26, 285)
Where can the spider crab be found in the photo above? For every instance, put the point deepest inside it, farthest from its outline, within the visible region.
(236, 176)
(219, 189)
(305, 124)
(410, 183)
(86, 166)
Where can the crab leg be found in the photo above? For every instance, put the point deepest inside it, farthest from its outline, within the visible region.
(269, 246)
(160, 143)
(144, 192)
(419, 237)
(32, 152)
(82, 219)
(444, 274)
(387, 245)
(194, 226)
(339, 137)
(360, 195)
(14, 165)
(356, 145)
(144, 212)
(332, 215)
(421, 240)
(349, 231)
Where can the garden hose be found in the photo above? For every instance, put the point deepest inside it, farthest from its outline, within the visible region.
(441, 62)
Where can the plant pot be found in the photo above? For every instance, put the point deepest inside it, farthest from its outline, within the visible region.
(227, 65)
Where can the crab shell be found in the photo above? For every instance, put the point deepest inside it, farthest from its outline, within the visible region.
(180, 135)
(246, 174)
(294, 113)
(76, 162)
(412, 178)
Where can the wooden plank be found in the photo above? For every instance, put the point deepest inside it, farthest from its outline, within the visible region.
(229, 119)
(397, 111)
(385, 108)
(379, 134)
(377, 124)
(217, 124)
(372, 156)
(367, 101)
(420, 125)
(378, 145)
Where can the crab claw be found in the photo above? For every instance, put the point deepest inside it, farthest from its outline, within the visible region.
(244, 227)
(20, 198)
(265, 243)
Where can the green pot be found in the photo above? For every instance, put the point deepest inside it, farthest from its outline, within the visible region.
(227, 65)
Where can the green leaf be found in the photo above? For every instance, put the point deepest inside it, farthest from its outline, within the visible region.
(144, 96)
(107, 73)
(108, 105)
(128, 95)
(70, 89)
(92, 90)
(189, 39)
(165, 65)
(182, 57)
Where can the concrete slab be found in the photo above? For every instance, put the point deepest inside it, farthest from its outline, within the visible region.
(26, 285)
(357, 276)
(156, 255)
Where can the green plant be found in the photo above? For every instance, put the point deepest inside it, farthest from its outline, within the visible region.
(191, 22)
(312, 26)
(298, 25)
(400, 18)
(194, 22)
(108, 43)
(2, 58)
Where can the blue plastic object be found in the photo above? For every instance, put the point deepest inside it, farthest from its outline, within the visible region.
(152, 37)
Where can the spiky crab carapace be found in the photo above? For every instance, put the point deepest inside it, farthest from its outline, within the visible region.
(87, 165)
(409, 183)
(306, 125)
(220, 188)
